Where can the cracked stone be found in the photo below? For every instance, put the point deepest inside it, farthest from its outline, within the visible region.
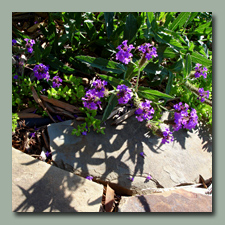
(115, 156)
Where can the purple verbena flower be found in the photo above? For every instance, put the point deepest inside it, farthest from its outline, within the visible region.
(29, 44)
(89, 177)
(84, 133)
(99, 87)
(124, 54)
(90, 100)
(41, 71)
(56, 81)
(199, 71)
(124, 94)
(144, 111)
(14, 42)
(167, 136)
(16, 77)
(148, 50)
(183, 118)
(203, 94)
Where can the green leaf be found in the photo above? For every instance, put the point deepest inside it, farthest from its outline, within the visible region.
(188, 65)
(130, 72)
(47, 51)
(58, 65)
(102, 64)
(113, 101)
(170, 53)
(19, 34)
(109, 22)
(151, 21)
(177, 67)
(114, 81)
(150, 94)
(37, 53)
(170, 82)
(204, 28)
(131, 28)
(197, 58)
(180, 20)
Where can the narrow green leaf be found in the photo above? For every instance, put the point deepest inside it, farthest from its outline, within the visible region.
(177, 67)
(102, 64)
(114, 81)
(170, 82)
(188, 65)
(170, 53)
(47, 51)
(180, 20)
(151, 94)
(130, 72)
(113, 101)
(169, 18)
(109, 22)
(131, 28)
(204, 28)
(197, 58)
(37, 53)
(58, 65)
(151, 21)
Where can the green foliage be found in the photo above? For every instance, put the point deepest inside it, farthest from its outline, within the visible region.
(73, 94)
(90, 121)
(15, 117)
(74, 44)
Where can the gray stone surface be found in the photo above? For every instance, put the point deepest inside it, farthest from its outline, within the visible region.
(40, 187)
(115, 156)
(178, 200)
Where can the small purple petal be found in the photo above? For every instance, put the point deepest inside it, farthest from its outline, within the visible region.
(89, 177)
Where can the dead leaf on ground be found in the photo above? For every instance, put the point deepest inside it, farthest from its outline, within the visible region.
(60, 104)
(38, 100)
(109, 199)
(28, 115)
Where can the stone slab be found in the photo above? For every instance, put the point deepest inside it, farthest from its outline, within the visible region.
(178, 200)
(115, 156)
(40, 187)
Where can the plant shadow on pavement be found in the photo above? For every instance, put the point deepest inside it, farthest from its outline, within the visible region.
(111, 158)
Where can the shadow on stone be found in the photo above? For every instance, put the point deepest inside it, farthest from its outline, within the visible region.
(40, 187)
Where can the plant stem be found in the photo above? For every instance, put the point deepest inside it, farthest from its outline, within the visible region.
(136, 87)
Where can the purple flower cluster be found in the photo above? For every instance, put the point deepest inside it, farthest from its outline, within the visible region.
(41, 71)
(167, 136)
(14, 42)
(29, 44)
(100, 87)
(56, 81)
(184, 118)
(124, 54)
(16, 77)
(124, 94)
(92, 96)
(203, 94)
(199, 71)
(144, 111)
(148, 50)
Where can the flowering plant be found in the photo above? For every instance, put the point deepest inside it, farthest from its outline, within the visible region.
(130, 62)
